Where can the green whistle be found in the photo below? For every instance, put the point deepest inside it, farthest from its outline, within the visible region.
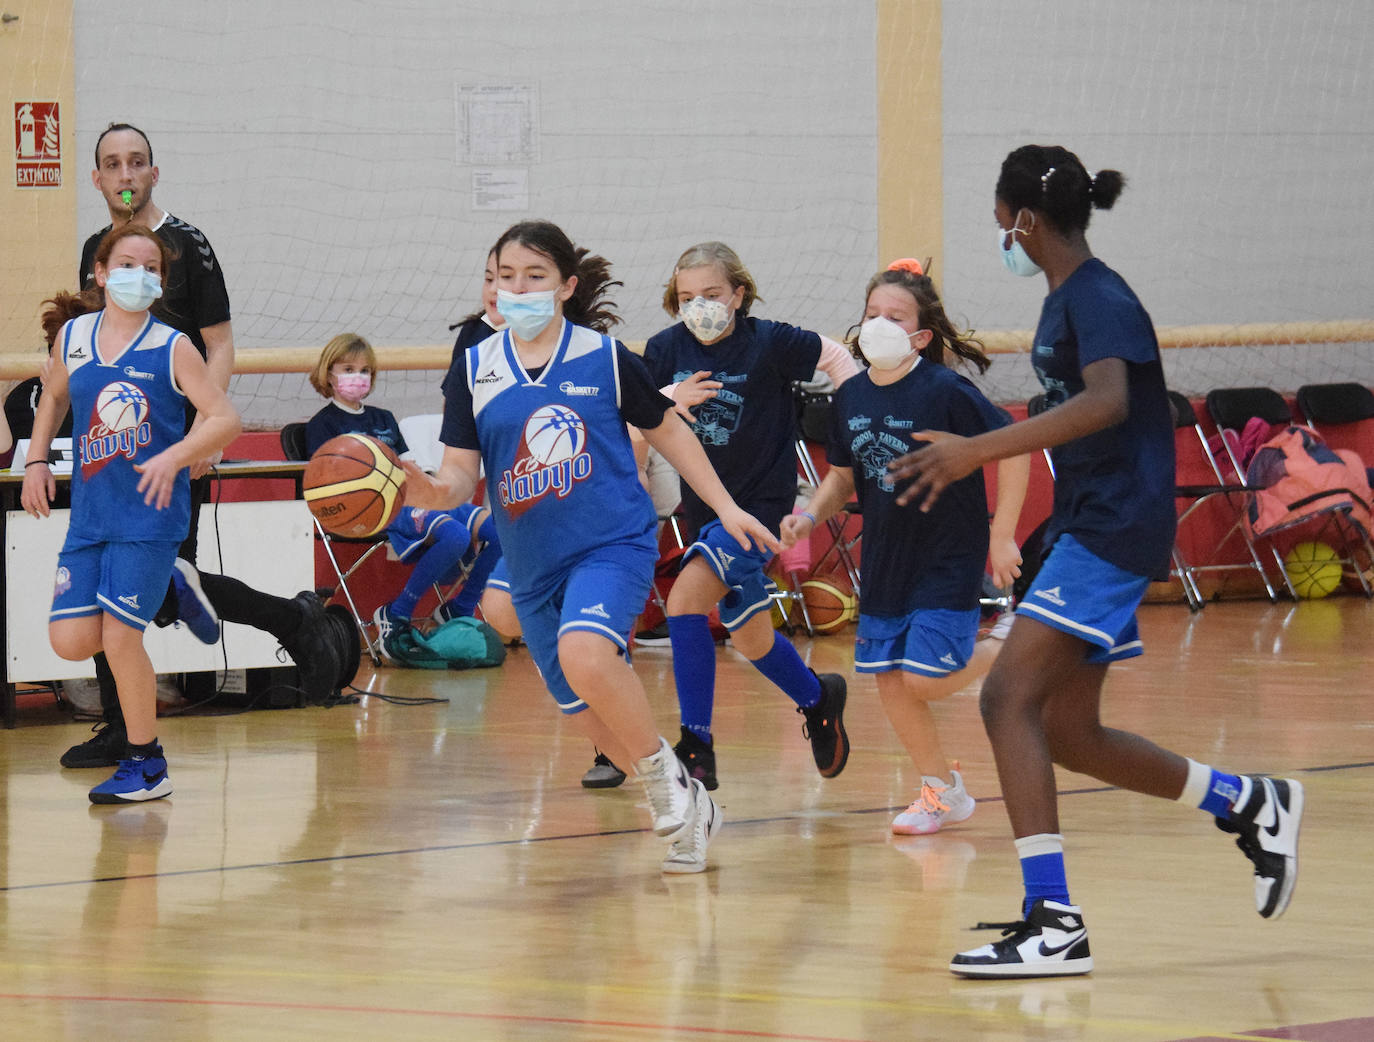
(127, 196)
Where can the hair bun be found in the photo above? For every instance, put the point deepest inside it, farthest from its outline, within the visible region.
(910, 264)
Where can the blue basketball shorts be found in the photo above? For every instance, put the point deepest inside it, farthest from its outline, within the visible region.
(412, 527)
(602, 594)
(1079, 593)
(500, 576)
(126, 580)
(931, 642)
(739, 569)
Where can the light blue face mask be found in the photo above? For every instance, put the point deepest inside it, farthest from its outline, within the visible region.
(1015, 258)
(132, 289)
(527, 314)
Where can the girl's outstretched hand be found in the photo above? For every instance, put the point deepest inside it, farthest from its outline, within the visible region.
(38, 490)
(158, 479)
(795, 528)
(931, 469)
(693, 391)
(748, 531)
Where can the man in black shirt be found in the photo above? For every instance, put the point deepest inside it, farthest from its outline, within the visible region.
(194, 300)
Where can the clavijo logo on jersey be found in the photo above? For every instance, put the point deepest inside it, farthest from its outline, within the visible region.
(118, 427)
(551, 458)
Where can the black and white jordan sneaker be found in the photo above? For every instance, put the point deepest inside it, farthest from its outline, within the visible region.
(1265, 821)
(1050, 942)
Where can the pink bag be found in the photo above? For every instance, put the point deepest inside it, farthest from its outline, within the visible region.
(1297, 476)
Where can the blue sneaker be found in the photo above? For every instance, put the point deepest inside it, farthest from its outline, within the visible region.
(193, 608)
(138, 778)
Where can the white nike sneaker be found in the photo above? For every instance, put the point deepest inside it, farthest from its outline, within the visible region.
(668, 788)
(937, 805)
(1050, 942)
(1265, 820)
(688, 852)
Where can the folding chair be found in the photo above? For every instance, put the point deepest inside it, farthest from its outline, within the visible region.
(1198, 486)
(813, 424)
(1232, 409)
(421, 434)
(293, 447)
(1342, 413)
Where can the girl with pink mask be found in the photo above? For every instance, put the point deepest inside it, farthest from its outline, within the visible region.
(436, 542)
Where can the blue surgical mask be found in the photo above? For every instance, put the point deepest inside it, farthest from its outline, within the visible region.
(527, 314)
(1015, 257)
(132, 289)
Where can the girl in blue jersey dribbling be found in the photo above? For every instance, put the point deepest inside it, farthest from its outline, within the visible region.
(1112, 531)
(127, 377)
(731, 375)
(922, 574)
(544, 406)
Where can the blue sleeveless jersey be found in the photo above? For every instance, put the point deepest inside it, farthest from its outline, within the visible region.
(559, 464)
(124, 411)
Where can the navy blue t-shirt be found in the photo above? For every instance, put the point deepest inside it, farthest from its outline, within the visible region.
(1114, 488)
(331, 421)
(749, 428)
(914, 560)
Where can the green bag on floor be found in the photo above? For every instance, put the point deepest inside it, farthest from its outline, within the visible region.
(465, 643)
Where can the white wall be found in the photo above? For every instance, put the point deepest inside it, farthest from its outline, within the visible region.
(316, 145)
(1244, 128)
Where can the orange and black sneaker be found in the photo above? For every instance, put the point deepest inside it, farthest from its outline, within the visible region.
(825, 725)
(698, 755)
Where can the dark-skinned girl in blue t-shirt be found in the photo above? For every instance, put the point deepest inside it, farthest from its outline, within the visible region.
(1112, 531)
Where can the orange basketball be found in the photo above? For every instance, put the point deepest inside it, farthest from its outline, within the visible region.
(354, 485)
(830, 605)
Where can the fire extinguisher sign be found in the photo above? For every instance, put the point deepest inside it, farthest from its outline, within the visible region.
(37, 145)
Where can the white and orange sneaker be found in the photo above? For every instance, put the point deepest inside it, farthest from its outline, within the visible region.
(937, 805)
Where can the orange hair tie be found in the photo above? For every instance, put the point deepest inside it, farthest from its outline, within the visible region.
(910, 264)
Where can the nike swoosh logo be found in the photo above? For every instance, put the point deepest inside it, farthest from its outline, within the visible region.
(1047, 951)
(153, 779)
(1280, 817)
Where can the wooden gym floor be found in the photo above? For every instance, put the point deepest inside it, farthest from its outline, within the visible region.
(437, 872)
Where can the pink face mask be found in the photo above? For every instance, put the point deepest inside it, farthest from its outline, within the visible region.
(353, 387)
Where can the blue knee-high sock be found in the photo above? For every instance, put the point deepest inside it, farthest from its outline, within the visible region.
(488, 553)
(694, 670)
(784, 667)
(1042, 869)
(438, 559)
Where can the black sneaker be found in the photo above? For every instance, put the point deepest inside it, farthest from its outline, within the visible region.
(603, 774)
(1050, 942)
(105, 748)
(655, 637)
(699, 757)
(825, 726)
(1265, 823)
(314, 649)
